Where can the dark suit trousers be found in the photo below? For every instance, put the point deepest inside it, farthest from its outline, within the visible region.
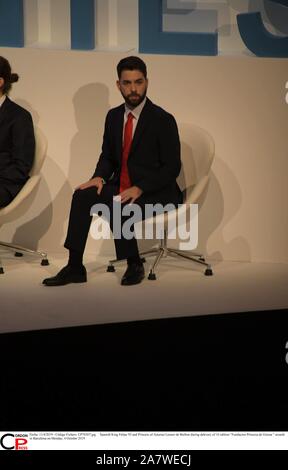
(80, 220)
(5, 196)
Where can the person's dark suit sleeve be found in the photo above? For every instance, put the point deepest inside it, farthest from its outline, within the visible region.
(105, 165)
(23, 149)
(169, 157)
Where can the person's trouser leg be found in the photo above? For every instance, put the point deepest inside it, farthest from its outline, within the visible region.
(80, 221)
(80, 218)
(125, 248)
(5, 196)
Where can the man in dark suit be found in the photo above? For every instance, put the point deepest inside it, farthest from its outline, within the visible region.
(17, 143)
(140, 162)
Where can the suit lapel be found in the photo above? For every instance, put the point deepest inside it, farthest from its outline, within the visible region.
(3, 109)
(143, 121)
(119, 132)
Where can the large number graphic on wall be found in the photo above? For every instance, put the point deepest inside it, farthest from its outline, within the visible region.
(153, 38)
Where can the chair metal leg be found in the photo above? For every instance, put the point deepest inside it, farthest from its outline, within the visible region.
(111, 268)
(19, 250)
(208, 271)
(149, 252)
(1, 267)
(152, 275)
(190, 253)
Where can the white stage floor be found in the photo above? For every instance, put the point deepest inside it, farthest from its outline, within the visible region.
(26, 304)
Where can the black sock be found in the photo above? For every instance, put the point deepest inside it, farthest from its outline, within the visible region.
(134, 260)
(75, 259)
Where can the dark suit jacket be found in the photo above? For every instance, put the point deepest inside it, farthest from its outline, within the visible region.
(17, 146)
(154, 159)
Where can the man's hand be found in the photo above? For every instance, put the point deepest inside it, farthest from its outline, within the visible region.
(97, 182)
(131, 193)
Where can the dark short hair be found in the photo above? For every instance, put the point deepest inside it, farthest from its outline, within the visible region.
(8, 77)
(131, 63)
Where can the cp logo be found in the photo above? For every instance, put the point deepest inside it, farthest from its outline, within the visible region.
(11, 442)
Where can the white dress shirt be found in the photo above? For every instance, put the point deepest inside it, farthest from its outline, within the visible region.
(136, 113)
(2, 99)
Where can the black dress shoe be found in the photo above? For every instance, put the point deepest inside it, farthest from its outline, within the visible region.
(67, 275)
(134, 274)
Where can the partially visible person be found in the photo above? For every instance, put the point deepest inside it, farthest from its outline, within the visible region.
(17, 141)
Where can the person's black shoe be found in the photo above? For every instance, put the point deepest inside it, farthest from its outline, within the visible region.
(67, 275)
(134, 274)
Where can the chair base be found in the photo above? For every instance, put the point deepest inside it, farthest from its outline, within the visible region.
(162, 252)
(20, 250)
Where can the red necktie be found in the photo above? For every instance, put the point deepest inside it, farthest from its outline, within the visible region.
(128, 135)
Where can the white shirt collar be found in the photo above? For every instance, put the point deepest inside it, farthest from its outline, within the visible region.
(2, 99)
(136, 111)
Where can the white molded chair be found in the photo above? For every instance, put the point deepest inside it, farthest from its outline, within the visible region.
(197, 154)
(21, 203)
